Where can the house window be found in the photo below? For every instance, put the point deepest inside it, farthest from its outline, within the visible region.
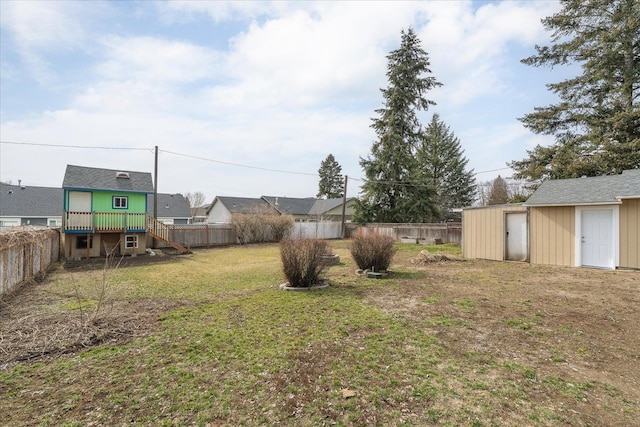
(81, 242)
(120, 202)
(131, 241)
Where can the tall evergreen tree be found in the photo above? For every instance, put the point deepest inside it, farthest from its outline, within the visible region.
(331, 185)
(390, 192)
(442, 166)
(596, 124)
(499, 193)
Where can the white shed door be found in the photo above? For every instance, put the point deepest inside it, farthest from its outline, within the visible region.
(516, 239)
(597, 238)
(79, 201)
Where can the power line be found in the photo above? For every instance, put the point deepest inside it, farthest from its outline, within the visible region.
(415, 183)
(237, 164)
(75, 146)
(491, 170)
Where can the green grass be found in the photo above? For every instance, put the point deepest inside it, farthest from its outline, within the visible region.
(236, 350)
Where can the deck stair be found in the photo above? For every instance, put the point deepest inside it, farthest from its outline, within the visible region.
(160, 231)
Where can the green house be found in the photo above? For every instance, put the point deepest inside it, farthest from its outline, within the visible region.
(105, 211)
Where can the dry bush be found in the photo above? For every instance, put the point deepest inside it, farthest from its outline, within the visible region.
(302, 261)
(14, 236)
(280, 226)
(425, 257)
(261, 224)
(372, 251)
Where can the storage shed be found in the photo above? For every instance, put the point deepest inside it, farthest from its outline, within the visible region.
(590, 222)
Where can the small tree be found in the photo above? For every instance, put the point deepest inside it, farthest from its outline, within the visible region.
(302, 261)
(499, 193)
(331, 185)
(195, 199)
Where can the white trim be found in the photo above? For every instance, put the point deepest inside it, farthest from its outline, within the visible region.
(615, 241)
(559, 205)
(130, 241)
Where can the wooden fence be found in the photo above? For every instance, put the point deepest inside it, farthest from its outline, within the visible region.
(427, 233)
(26, 254)
(207, 235)
(199, 235)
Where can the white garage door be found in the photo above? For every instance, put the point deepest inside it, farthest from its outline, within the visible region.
(597, 238)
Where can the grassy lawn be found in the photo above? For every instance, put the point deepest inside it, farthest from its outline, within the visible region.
(210, 339)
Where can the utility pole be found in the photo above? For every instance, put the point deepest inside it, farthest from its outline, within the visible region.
(344, 205)
(155, 186)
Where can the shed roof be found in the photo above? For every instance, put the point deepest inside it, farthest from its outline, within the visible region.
(26, 201)
(169, 206)
(585, 191)
(81, 177)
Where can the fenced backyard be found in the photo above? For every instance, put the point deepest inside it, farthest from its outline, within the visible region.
(20, 262)
(210, 339)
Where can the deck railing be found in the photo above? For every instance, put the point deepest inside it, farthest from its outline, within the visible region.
(157, 228)
(95, 222)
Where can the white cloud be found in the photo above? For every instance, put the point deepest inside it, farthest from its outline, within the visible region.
(40, 28)
(468, 48)
(218, 10)
(156, 60)
(297, 83)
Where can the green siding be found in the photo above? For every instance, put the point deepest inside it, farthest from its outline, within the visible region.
(103, 202)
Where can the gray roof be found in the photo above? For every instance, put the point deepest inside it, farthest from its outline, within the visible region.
(585, 191)
(284, 205)
(324, 205)
(291, 205)
(26, 201)
(80, 177)
(169, 206)
(240, 204)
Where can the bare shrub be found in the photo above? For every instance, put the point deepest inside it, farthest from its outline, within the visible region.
(372, 251)
(101, 290)
(280, 226)
(261, 224)
(302, 261)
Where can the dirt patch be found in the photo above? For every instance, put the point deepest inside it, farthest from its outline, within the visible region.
(31, 331)
(574, 330)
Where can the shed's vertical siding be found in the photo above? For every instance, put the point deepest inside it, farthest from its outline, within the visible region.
(630, 233)
(483, 231)
(552, 236)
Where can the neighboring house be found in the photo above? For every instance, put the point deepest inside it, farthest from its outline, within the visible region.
(199, 214)
(223, 207)
(106, 209)
(331, 209)
(590, 222)
(26, 205)
(306, 209)
(173, 209)
(298, 208)
(312, 210)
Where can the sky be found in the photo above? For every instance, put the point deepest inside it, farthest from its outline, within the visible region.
(247, 98)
